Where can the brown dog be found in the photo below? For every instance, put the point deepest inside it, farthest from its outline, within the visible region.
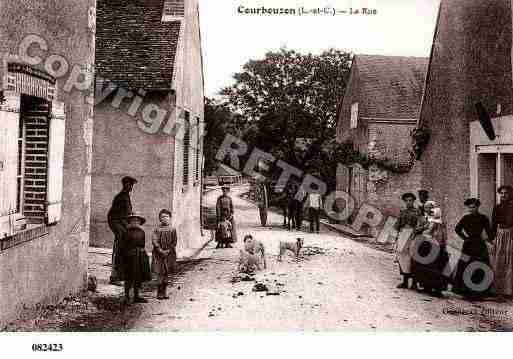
(294, 247)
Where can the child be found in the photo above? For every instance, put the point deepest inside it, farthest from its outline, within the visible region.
(164, 252)
(136, 262)
(224, 232)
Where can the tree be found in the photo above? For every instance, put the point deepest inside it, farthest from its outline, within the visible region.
(288, 96)
(219, 121)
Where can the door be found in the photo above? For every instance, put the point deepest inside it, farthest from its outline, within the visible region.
(487, 181)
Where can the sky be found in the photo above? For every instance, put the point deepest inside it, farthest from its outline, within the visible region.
(230, 39)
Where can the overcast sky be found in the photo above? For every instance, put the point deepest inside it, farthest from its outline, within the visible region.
(401, 27)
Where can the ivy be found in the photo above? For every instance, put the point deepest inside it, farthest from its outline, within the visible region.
(421, 137)
(385, 163)
(348, 156)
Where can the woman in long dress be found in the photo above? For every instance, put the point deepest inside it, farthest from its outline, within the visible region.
(470, 228)
(430, 256)
(502, 254)
(405, 226)
(224, 209)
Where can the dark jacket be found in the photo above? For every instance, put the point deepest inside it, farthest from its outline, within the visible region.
(121, 207)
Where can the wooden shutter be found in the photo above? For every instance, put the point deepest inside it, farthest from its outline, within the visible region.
(186, 148)
(57, 136)
(9, 133)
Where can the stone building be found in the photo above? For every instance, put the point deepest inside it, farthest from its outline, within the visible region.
(470, 63)
(378, 113)
(47, 53)
(149, 121)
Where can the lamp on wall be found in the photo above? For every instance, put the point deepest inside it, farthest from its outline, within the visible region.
(485, 121)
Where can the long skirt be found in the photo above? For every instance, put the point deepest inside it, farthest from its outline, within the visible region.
(137, 266)
(502, 262)
(430, 275)
(234, 231)
(475, 250)
(402, 250)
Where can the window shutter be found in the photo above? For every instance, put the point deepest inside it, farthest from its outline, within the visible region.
(57, 136)
(9, 133)
(186, 148)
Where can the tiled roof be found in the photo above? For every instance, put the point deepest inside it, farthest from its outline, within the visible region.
(134, 48)
(391, 87)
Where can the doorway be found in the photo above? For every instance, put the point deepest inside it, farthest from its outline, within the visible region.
(487, 182)
(495, 168)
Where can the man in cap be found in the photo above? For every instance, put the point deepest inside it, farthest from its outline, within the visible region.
(117, 218)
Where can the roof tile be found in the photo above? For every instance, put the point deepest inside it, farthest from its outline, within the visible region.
(391, 86)
(134, 48)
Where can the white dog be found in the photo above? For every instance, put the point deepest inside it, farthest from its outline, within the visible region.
(294, 247)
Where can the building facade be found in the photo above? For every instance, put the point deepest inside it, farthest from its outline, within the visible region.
(46, 114)
(470, 64)
(378, 113)
(149, 125)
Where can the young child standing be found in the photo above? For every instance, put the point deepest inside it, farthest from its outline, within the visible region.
(135, 260)
(164, 252)
(224, 232)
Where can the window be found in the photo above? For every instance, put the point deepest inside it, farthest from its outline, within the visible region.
(31, 164)
(186, 148)
(354, 115)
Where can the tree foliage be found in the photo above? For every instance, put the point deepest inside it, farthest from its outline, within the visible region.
(287, 97)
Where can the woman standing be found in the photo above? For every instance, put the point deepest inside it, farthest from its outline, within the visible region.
(224, 209)
(431, 255)
(405, 226)
(470, 228)
(502, 258)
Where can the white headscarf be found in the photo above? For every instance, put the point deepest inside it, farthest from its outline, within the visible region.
(436, 217)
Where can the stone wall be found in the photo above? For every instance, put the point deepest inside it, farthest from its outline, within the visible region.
(121, 148)
(46, 269)
(471, 62)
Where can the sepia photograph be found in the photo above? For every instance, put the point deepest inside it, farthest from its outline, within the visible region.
(243, 166)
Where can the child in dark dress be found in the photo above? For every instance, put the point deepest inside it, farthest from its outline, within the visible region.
(136, 265)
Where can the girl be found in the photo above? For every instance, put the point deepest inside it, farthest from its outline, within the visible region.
(224, 232)
(164, 252)
(136, 262)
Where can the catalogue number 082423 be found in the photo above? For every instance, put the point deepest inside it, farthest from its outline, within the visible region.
(47, 347)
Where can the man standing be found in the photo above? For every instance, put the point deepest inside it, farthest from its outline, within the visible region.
(314, 210)
(117, 218)
(262, 199)
(300, 200)
(224, 209)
